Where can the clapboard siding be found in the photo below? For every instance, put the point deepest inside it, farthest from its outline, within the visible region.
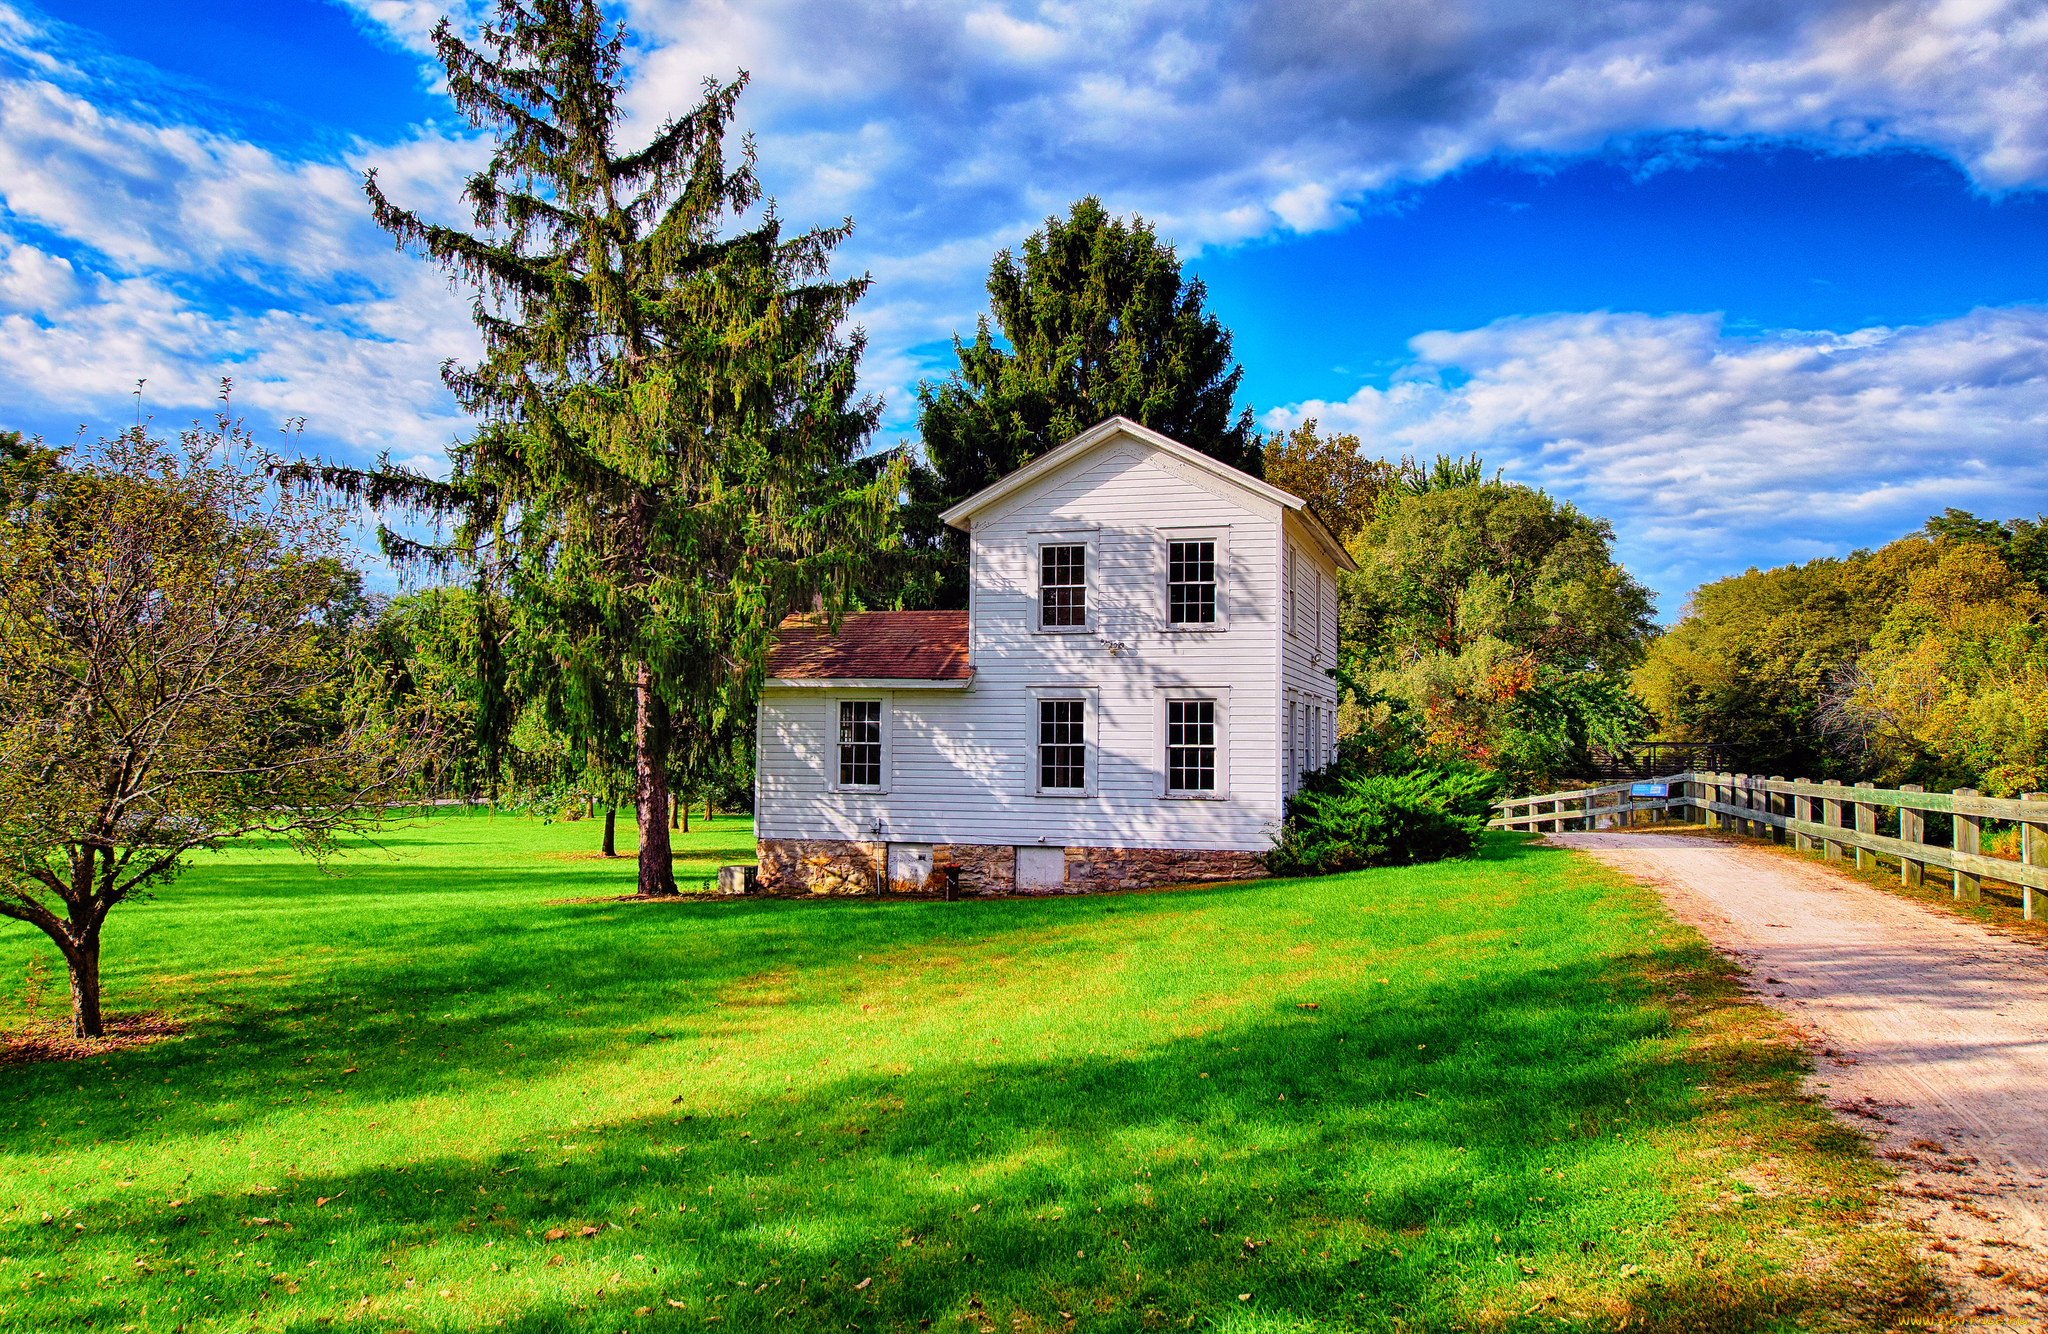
(1308, 645)
(961, 763)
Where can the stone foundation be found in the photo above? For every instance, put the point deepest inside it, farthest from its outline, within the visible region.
(819, 865)
(985, 868)
(838, 866)
(1092, 870)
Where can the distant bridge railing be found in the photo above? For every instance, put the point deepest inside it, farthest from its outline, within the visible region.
(1839, 822)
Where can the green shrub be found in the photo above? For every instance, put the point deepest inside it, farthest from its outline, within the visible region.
(1346, 817)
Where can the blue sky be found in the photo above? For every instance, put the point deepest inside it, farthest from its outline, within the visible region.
(1756, 281)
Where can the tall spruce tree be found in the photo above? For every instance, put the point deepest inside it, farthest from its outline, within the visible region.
(1097, 321)
(665, 458)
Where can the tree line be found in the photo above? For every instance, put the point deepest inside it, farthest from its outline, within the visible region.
(1922, 661)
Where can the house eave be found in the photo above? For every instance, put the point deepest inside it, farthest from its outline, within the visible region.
(866, 683)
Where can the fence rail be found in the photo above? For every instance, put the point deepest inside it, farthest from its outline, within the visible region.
(1841, 822)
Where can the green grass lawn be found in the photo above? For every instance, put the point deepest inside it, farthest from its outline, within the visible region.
(425, 1093)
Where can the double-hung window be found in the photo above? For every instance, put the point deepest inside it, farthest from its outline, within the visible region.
(1063, 586)
(860, 743)
(1191, 745)
(1288, 617)
(1194, 742)
(1063, 745)
(1316, 591)
(1191, 582)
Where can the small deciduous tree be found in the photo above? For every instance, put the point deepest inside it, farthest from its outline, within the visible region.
(1331, 473)
(170, 679)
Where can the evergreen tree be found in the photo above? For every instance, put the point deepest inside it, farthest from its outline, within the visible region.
(1096, 321)
(664, 461)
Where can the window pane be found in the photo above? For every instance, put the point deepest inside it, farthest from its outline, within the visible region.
(1062, 745)
(1191, 745)
(860, 743)
(1191, 583)
(1063, 585)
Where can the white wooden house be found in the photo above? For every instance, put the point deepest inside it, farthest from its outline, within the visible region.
(1137, 685)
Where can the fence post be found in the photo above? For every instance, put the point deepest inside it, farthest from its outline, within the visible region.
(1774, 802)
(1912, 829)
(1866, 823)
(1738, 795)
(1802, 809)
(1724, 793)
(2033, 851)
(1831, 816)
(1969, 833)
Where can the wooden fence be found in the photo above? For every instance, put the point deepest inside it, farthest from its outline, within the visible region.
(1839, 822)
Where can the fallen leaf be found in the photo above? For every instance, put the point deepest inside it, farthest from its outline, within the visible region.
(672, 1301)
(975, 1210)
(863, 1283)
(325, 1198)
(351, 1070)
(1244, 1296)
(589, 1232)
(643, 1310)
(260, 1222)
(556, 1234)
(1308, 1005)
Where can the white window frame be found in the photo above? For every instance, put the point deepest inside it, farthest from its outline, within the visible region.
(1221, 537)
(1220, 697)
(832, 741)
(1091, 729)
(1091, 584)
(1316, 590)
(1287, 618)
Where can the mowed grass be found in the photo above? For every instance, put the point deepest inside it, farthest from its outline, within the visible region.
(423, 1093)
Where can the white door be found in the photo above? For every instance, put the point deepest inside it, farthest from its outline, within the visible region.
(1041, 868)
(909, 864)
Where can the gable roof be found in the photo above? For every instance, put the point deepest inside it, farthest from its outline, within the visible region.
(873, 646)
(961, 515)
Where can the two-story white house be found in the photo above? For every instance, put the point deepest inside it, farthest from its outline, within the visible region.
(1138, 684)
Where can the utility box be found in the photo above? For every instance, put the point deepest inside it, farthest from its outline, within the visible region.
(737, 879)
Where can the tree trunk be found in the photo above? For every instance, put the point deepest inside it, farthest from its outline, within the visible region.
(707, 810)
(650, 786)
(611, 829)
(675, 812)
(84, 960)
(683, 814)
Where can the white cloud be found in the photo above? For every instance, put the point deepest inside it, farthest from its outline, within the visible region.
(946, 130)
(137, 246)
(1711, 451)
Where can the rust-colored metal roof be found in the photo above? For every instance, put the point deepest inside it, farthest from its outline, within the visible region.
(873, 645)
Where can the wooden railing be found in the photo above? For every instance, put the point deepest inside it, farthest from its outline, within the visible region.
(1839, 822)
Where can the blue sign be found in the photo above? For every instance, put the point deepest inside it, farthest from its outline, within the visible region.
(1650, 790)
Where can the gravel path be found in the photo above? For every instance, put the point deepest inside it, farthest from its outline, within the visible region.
(1928, 1030)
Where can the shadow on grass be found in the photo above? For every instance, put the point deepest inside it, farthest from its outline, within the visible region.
(1354, 1166)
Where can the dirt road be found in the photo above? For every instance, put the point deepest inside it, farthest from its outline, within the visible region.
(1928, 1030)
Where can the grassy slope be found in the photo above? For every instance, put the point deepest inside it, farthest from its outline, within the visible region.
(1524, 1099)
